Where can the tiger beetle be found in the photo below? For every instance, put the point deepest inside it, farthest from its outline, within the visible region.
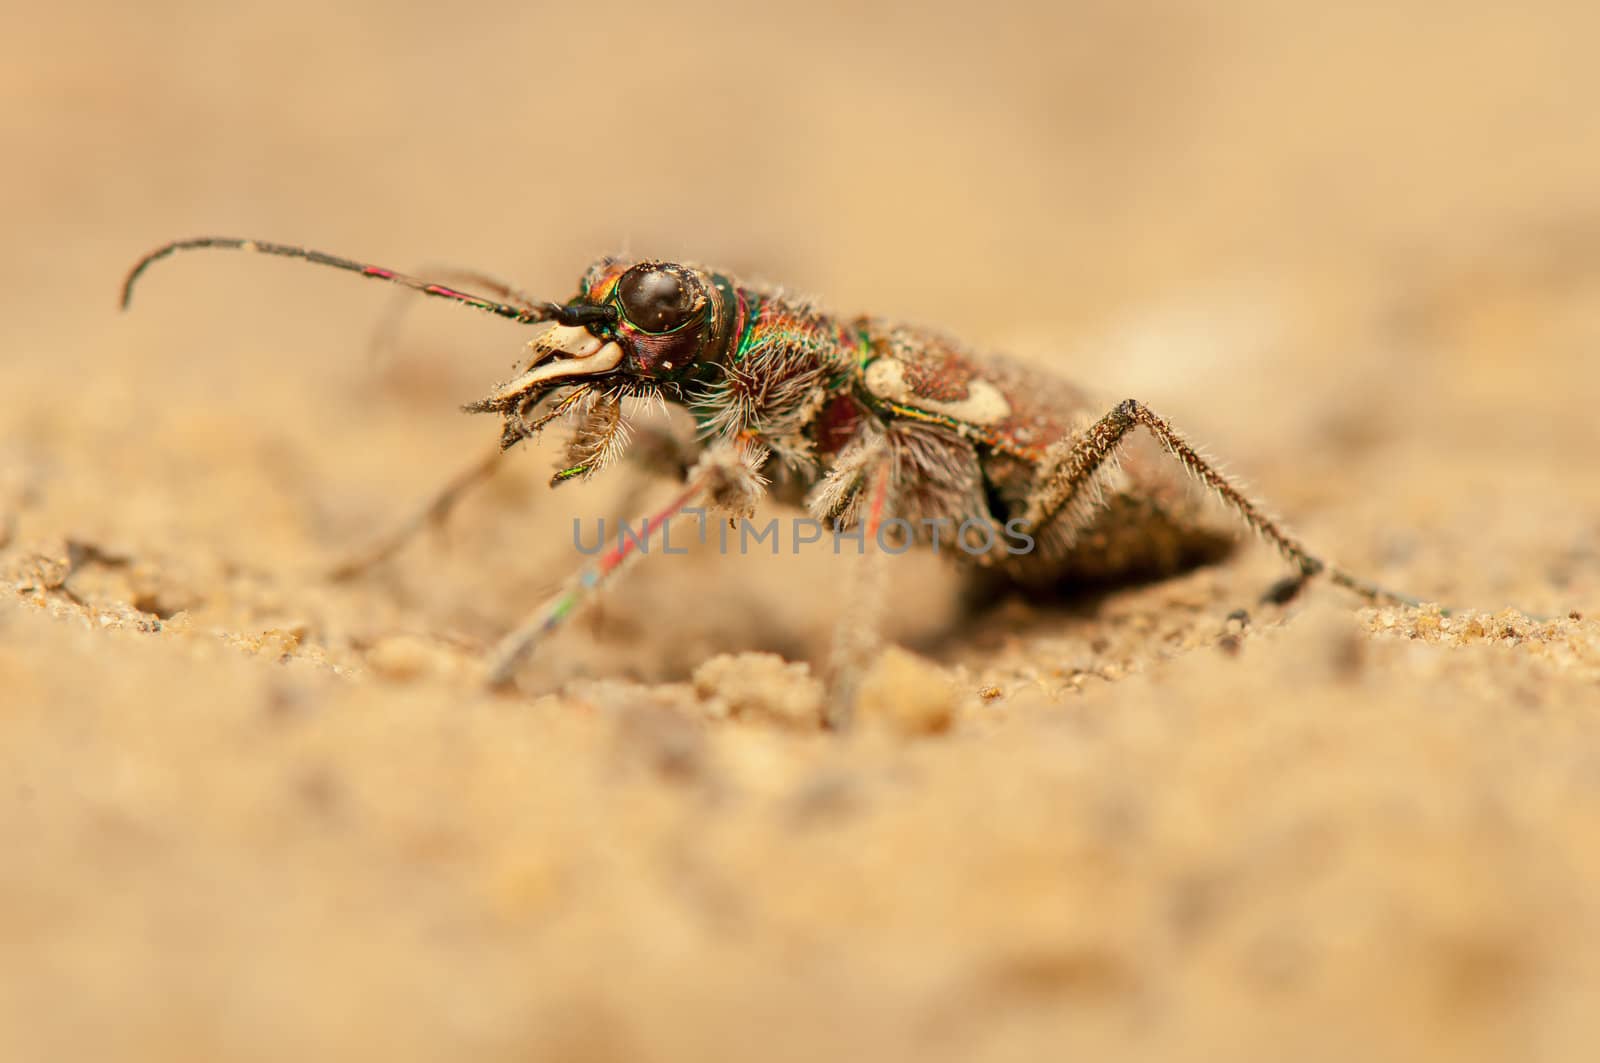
(859, 420)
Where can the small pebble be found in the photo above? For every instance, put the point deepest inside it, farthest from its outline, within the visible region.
(905, 694)
(403, 658)
(760, 686)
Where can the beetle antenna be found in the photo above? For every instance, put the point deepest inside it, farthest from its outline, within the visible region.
(522, 314)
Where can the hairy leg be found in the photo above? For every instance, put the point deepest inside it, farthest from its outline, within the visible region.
(656, 451)
(858, 636)
(432, 513)
(1070, 485)
(725, 478)
(437, 509)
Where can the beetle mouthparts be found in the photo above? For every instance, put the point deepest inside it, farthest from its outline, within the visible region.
(562, 353)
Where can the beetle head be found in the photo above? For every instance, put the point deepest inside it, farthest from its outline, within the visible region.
(636, 326)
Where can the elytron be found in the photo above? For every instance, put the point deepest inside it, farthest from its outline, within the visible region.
(858, 420)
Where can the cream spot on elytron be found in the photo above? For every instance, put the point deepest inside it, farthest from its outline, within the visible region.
(984, 404)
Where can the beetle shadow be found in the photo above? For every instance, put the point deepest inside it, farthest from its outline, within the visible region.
(993, 607)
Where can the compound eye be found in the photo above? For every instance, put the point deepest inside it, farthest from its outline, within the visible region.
(656, 299)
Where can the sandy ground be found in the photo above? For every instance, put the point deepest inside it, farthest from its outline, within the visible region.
(250, 814)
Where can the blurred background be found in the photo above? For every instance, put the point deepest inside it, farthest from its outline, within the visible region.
(1353, 249)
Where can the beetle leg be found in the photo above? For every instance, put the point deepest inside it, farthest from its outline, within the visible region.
(1069, 483)
(434, 513)
(725, 477)
(655, 451)
(858, 636)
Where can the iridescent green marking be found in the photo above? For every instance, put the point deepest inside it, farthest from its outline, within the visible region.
(752, 314)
